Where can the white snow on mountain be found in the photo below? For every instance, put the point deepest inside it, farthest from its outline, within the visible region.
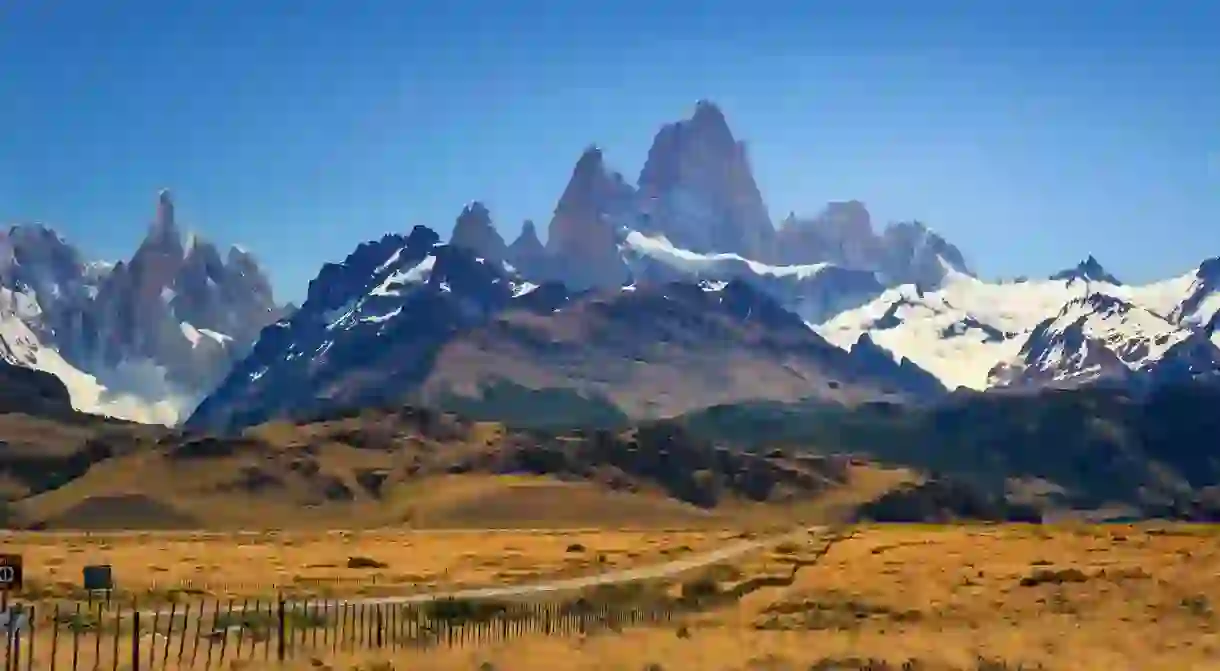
(962, 331)
(813, 291)
(19, 345)
(658, 248)
(1101, 336)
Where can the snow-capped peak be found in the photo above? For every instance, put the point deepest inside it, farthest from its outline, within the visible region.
(1104, 337)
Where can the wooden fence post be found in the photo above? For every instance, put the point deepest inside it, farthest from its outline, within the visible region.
(152, 641)
(380, 641)
(186, 625)
(15, 659)
(97, 635)
(114, 644)
(55, 635)
(224, 631)
(280, 627)
(75, 636)
(135, 637)
(29, 657)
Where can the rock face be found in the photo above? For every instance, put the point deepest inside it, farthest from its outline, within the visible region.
(583, 236)
(843, 234)
(161, 328)
(696, 189)
(527, 252)
(474, 231)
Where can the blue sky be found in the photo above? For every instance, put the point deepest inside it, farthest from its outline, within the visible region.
(1029, 133)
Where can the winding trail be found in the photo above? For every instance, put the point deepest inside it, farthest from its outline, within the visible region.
(619, 576)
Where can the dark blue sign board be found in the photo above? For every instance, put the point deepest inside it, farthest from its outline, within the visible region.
(99, 578)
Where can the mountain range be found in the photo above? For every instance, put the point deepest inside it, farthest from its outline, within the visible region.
(658, 297)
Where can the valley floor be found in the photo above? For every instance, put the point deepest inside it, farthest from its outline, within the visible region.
(339, 564)
(988, 597)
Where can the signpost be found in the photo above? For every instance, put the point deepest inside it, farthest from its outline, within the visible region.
(99, 578)
(11, 573)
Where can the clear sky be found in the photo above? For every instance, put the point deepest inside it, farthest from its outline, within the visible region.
(1029, 133)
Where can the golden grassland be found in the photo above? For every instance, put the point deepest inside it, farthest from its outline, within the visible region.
(1077, 598)
(152, 565)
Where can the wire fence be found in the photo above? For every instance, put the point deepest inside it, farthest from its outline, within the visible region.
(111, 636)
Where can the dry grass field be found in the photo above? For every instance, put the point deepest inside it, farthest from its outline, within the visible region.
(154, 564)
(987, 597)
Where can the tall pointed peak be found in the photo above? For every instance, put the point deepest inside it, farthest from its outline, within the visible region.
(591, 160)
(475, 211)
(165, 209)
(475, 231)
(527, 241)
(708, 112)
(163, 233)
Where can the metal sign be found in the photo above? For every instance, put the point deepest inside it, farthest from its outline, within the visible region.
(11, 573)
(98, 578)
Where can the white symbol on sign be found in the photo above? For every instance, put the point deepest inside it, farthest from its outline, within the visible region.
(7, 574)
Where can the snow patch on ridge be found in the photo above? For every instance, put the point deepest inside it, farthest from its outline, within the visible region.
(660, 249)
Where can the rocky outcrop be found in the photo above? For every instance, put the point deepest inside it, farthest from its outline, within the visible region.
(474, 231)
(697, 189)
(843, 234)
(582, 239)
(526, 253)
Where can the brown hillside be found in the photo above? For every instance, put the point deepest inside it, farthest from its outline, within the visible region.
(405, 467)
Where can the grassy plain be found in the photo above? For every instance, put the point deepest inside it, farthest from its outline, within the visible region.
(256, 564)
(1078, 598)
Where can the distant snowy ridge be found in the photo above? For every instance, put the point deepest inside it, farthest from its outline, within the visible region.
(1071, 329)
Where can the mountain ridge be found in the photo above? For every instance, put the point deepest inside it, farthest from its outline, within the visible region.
(150, 336)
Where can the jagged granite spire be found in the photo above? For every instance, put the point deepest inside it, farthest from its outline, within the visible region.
(475, 231)
(698, 190)
(1089, 270)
